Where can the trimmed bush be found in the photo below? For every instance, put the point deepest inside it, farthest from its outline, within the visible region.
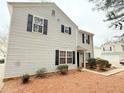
(41, 73)
(63, 69)
(91, 63)
(25, 78)
(108, 65)
(102, 64)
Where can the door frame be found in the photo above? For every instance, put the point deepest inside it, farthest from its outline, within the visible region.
(79, 62)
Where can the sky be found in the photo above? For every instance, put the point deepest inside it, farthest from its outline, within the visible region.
(81, 13)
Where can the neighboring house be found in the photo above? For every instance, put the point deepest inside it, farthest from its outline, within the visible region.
(111, 51)
(42, 36)
(2, 51)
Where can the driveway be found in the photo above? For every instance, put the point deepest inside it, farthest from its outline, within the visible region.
(73, 82)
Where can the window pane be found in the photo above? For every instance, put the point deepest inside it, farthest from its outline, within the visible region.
(62, 61)
(40, 29)
(35, 28)
(62, 54)
(69, 60)
(67, 29)
(69, 54)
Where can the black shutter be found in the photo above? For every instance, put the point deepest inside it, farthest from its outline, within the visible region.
(29, 23)
(57, 57)
(45, 26)
(73, 57)
(70, 30)
(89, 55)
(88, 39)
(62, 28)
(82, 38)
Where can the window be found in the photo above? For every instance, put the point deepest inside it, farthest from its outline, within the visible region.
(85, 39)
(53, 12)
(37, 24)
(107, 48)
(62, 57)
(69, 57)
(65, 29)
(66, 57)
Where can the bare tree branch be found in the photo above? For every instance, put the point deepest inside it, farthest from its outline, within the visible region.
(114, 10)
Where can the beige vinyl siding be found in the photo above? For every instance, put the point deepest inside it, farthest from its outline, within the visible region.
(27, 51)
(88, 47)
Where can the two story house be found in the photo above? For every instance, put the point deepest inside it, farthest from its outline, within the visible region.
(111, 51)
(43, 36)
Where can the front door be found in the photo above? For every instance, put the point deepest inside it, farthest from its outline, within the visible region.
(80, 59)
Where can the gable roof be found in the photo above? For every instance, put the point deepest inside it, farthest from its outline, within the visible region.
(30, 4)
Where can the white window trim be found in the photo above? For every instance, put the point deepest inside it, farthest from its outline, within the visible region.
(65, 29)
(68, 29)
(66, 57)
(86, 38)
(59, 57)
(33, 24)
(70, 57)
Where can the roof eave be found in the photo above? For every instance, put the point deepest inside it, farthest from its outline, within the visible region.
(82, 31)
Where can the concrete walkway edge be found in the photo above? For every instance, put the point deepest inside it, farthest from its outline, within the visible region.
(107, 73)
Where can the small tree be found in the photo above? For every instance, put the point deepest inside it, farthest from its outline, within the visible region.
(91, 63)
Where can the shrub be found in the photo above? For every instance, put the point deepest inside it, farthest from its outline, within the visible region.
(2, 61)
(41, 72)
(108, 65)
(25, 78)
(63, 69)
(91, 63)
(102, 63)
